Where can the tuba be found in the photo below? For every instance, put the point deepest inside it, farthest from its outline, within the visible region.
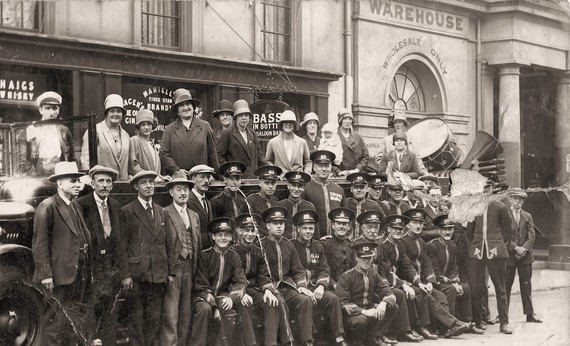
(484, 157)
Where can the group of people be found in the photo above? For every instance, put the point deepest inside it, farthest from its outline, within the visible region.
(189, 141)
(236, 269)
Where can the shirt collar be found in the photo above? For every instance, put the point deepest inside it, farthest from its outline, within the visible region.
(98, 199)
(143, 202)
(198, 194)
(65, 199)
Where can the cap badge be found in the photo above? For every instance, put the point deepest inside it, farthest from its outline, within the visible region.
(298, 176)
(306, 216)
(278, 213)
(365, 248)
(398, 220)
(341, 214)
(271, 172)
(373, 217)
(223, 224)
(359, 178)
(323, 157)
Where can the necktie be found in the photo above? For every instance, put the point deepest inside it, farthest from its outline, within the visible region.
(185, 217)
(517, 216)
(106, 220)
(149, 211)
(205, 205)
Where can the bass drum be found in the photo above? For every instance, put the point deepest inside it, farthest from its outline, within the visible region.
(433, 141)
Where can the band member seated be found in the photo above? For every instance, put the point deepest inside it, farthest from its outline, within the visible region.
(312, 255)
(376, 187)
(229, 202)
(268, 176)
(370, 222)
(358, 202)
(296, 182)
(340, 256)
(443, 254)
(219, 288)
(428, 307)
(367, 301)
(261, 293)
(401, 159)
(288, 273)
(395, 204)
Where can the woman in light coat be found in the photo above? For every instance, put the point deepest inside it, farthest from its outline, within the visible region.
(143, 154)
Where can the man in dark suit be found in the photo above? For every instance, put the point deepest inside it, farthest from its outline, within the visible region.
(143, 232)
(188, 141)
(101, 213)
(520, 252)
(489, 236)
(240, 143)
(61, 248)
(201, 175)
(183, 236)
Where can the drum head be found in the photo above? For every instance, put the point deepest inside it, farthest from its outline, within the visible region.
(428, 136)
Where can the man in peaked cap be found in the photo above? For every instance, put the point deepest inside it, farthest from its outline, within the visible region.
(288, 273)
(47, 144)
(61, 248)
(443, 254)
(412, 199)
(220, 285)
(184, 238)
(312, 255)
(101, 213)
(144, 235)
(324, 194)
(358, 202)
(268, 176)
(520, 252)
(188, 141)
(364, 319)
(375, 187)
(395, 204)
(268, 304)
(225, 114)
(240, 142)
(295, 202)
(201, 175)
(340, 256)
(230, 200)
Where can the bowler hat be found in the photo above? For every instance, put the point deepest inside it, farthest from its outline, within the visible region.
(49, 98)
(181, 95)
(102, 169)
(65, 169)
(114, 101)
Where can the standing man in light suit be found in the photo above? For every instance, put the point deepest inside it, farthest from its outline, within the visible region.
(183, 236)
(520, 252)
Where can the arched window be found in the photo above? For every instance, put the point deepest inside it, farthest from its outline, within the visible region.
(406, 91)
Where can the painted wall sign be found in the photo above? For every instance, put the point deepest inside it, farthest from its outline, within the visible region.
(21, 86)
(438, 59)
(415, 16)
(265, 117)
(407, 42)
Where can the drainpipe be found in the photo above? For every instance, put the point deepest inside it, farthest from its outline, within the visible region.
(347, 53)
(479, 78)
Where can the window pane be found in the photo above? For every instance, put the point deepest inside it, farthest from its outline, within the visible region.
(277, 30)
(21, 15)
(406, 91)
(161, 23)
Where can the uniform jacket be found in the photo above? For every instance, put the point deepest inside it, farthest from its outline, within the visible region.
(258, 203)
(357, 290)
(444, 259)
(254, 267)
(108, 254)
(492, 242)
(219, 274)
(300, 160)
(174, 235)
(313, 145)
(359, 208)
(397, 265)
(142, 156)
(429, 231)
(147, 250)
(340, 257)
(284, 263)
(325, 197)
(185, 148)
(293, 208)
(56, 241)
(523, 235)
(196, 205)
(408, 164)
(231, 147)
(227, 203)
(107, 154)
(390, 208)
(314, 260)
(355, 152)
(416, 249)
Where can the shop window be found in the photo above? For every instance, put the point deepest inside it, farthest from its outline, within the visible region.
(406, 91)
(277, 30)
(21, 15)
(161, 23)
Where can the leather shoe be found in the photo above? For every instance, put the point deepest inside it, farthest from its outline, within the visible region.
(474, 330)
(414, 333)
(482, 325)
(426, 334)
(506, 329)
(533, 318)
(495, 321)
(457, 328)
(409, 337)
(379, 342)
(387, 340)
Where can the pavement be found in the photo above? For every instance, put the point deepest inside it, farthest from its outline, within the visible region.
(542, 280)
